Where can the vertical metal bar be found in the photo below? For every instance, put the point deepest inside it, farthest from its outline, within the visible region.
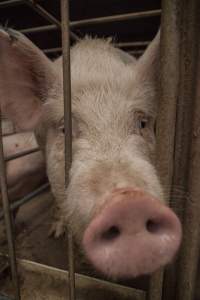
(7, 217)
(68, 126)
(189, 141)
(169, 58)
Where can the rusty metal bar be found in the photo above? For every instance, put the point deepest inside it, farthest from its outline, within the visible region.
(22, 153)
(189, 144)
(49, 17)
(68, 128)
(8, 221)
(166, 119)
(27, 198)
(116, 18)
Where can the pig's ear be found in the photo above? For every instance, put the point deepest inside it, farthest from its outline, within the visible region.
(147, 67)
(26, 75)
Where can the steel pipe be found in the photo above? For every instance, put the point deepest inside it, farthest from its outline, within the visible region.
(8, 220)
(49, 17)
(188, 148)
(52, 50)
(132, 44)
(39, 29)
(68, 128)
(116, 18)
(11, 3)
(22, 153)
(166, 120)
(27, 198)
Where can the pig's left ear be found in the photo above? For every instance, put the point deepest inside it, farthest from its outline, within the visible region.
(26, 77)
(147, 66)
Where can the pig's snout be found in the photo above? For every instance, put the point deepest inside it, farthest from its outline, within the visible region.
(134, 234)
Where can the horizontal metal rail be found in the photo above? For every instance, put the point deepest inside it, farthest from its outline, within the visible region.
(57, 50)
(39, 29)
(83, 281)
(119, 45)
(116, 18)
(93, 21)
(11, 3)
(132, 44)
(27, 198)
(22, 153)
(49, 17)
(136, 52)
(3, 297)
(52, 50)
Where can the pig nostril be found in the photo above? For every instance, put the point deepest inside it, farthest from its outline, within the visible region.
(111, 234)
(153, 226)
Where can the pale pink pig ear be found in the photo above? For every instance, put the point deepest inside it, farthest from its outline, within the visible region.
(147, 67)
(26, 75)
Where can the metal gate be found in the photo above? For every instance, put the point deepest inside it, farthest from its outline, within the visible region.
(178, 131)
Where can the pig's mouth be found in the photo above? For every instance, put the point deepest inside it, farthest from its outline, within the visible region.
(134, 235)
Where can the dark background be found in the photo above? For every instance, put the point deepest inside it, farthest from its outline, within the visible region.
(22, 16)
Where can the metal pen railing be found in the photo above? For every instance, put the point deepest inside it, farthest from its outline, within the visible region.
(8, 220)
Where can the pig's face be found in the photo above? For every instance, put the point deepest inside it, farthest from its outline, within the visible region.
(111, 203)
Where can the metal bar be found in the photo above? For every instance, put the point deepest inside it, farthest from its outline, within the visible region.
(166, 119)
(183, 141)
(27, 198)
(136, 52)
(7, 217)
(22, 153)
(58, 49)
(116, 18)
(49, 17)
(11, 3)
(189, 106)
(132, 44)
(8, 134)
(3, 297)
(52, 50)
(83, 282)
(68, 128)
(39, 29)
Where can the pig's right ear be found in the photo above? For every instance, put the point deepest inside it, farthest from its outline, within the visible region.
(26, 76)
(147, 66)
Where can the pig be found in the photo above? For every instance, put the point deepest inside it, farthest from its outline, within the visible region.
(114, 203)
(26, 173)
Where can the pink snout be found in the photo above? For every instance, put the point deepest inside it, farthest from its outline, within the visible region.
(134, 234)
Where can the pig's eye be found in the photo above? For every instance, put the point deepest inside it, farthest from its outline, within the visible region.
(142, 123)
(62, 129)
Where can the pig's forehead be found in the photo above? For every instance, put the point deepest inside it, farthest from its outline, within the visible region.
(94, 59)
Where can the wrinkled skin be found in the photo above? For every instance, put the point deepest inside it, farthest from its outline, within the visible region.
(114, 101)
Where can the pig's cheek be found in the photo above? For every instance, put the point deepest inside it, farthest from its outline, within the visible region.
(55, 171)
